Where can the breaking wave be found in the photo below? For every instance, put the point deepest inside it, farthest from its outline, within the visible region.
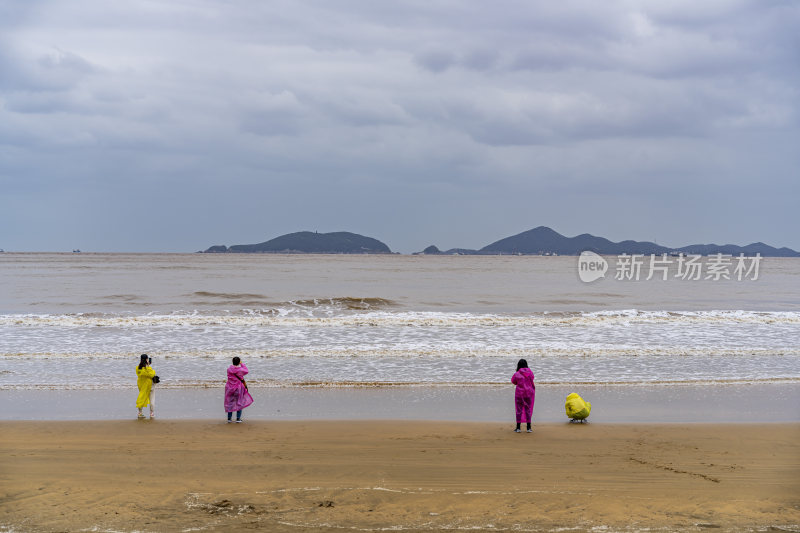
(444, 353)
(353, 342)
(321, 313)
(267, 306)
(354, 384)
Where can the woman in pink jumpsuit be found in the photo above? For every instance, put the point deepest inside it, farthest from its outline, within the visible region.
(237, 396)
(525, 394)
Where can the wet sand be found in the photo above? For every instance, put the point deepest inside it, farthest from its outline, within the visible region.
(674, 403)
(166, 475)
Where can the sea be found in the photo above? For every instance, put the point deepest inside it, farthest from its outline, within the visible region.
(81, 320)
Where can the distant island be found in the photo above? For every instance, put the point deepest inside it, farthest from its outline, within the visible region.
(545, 241)
(537, 241)
(310, 242)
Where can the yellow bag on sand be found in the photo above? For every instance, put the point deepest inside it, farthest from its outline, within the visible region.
(577, 408)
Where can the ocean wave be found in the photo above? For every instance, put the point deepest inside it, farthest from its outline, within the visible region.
(301, 306)
(425, 352)
(372, 384)
(228, 295)
(288, 316)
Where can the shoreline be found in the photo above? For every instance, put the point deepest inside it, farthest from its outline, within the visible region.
(402, 475)
(616, 404)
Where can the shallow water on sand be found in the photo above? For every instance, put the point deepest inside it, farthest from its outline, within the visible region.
(752, 403)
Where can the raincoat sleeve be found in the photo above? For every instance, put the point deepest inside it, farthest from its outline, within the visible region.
(237, 372)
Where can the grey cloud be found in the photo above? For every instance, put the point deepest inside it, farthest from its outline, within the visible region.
(40, 102)
(275, 114)
(54, 70)
(272, 123)
(362, 110)
(439, 60)
(62, 61)
(640, 110)
(558, 56)
(435, 60)
(368, 114)
(480, 59)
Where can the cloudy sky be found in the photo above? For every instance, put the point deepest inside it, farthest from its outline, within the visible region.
(175, 125)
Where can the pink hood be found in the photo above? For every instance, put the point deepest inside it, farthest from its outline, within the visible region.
(523, 379)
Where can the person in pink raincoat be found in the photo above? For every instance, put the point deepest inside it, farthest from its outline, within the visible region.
(525, 394)
(237, 397)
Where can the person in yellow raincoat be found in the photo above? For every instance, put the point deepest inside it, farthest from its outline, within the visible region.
(145, 375)
(577, 408)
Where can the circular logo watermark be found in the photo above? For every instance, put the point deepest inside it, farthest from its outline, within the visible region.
(591, 267)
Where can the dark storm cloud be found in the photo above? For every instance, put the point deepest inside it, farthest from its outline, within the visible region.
(416, 121)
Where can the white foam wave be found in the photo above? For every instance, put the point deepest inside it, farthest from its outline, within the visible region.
(407, 318)
(425, 353)
(304, 384)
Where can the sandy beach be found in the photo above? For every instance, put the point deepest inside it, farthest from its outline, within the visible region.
(403, 475)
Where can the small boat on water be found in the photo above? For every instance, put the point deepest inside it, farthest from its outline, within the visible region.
(76, 251)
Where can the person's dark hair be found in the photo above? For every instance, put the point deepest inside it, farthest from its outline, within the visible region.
(144, 360)
(236, 360)
(522, 364)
